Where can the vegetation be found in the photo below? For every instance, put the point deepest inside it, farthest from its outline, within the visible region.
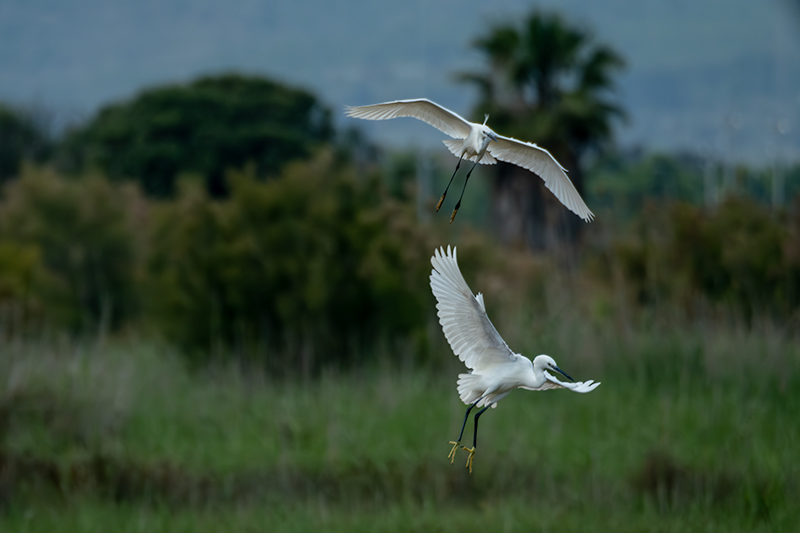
(313, 264)
(23, 137)
(325, 276)
(739, 258)
(70, 253)
(205, 128)
(548, 82)
(215, 315)
(690, 430)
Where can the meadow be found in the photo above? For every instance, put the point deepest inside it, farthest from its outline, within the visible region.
(215, 316)
(693, 429)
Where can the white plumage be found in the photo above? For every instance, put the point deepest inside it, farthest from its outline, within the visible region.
(478, 143)
(495, 369)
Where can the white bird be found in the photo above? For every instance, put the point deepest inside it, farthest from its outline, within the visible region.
(495, 369)
(472, 141)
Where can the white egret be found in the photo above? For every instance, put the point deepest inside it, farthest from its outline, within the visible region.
(473, 142)
(495, 370)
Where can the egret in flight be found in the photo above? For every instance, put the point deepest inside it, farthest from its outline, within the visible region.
(495, 370)
(478, 143)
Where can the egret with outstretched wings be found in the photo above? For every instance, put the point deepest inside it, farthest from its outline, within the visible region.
(478, 143)
(495, 370)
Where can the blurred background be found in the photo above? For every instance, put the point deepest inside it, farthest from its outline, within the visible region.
(214, 302)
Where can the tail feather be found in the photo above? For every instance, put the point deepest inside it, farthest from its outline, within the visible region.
(456, 146)
(468, 388)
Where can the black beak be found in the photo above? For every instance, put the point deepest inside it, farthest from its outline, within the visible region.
(562, 373)
(492, 136)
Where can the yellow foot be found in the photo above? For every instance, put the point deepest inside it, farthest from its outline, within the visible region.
(471, 455)
(453, 216)
(440, 203)
(452, 454)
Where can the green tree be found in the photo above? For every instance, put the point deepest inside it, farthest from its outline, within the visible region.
(205, 128)
(68, 253)
(22, 137)
(546, 82)
(298, 272)
(622, 183)
(736, 257)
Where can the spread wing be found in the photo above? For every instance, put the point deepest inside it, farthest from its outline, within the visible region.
(554, 383)
(437, 116)
(542, 163)
(463, 317)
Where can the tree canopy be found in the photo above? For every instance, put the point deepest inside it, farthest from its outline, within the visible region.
(22, 137)
(205, 128)
(547, 82)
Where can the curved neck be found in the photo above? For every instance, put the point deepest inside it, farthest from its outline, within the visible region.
(534, 377)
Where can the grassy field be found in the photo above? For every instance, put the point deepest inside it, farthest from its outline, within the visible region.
(691, 430)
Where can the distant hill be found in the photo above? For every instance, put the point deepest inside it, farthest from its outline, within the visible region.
(720, 76)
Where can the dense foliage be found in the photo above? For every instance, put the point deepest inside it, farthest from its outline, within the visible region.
(326, 262)
(313, 264)
(205, 128)
(68, 253)
(23, 136)
(318, 266)
(738, 257)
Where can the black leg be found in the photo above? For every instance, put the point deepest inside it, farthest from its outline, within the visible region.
(475, 435)
(466, 416)
(474, 438)
(448, 185)
(458, 204)
(457, 443)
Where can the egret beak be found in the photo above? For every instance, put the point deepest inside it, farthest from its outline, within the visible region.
(492, 136)
(562, 373)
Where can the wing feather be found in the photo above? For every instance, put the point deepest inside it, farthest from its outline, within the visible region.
(423, 109)
(554, 383)
(542, 163)
(462, 316)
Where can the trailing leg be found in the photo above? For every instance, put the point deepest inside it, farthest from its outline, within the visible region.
(448, 184)
(452, 454)
(458, 204)
(474, 439)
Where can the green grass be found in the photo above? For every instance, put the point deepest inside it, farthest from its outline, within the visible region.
(691, 430)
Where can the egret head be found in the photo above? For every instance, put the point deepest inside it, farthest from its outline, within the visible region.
(488, 133)
(545, 362)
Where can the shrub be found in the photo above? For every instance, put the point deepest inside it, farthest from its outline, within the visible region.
(738, 256)
(68, 250)
(313, 266)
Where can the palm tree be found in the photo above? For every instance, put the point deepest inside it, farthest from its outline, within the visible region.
(549, 83)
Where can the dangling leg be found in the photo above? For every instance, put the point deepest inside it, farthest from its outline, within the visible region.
(458, 204)
(452, 454)
(474, 439)
(448, 184)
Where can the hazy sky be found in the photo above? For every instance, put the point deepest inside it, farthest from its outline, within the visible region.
(716, 75)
